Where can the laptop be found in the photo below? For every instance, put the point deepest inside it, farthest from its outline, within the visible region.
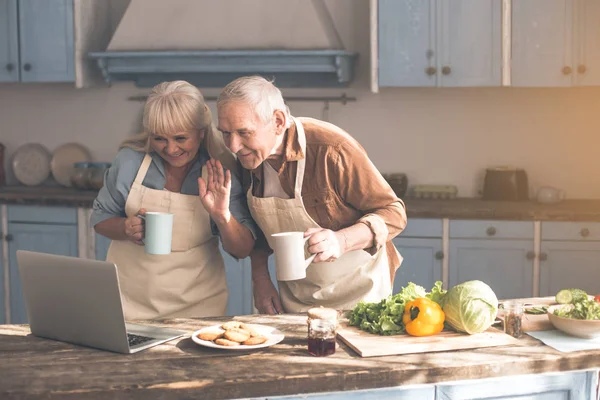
(78, 301)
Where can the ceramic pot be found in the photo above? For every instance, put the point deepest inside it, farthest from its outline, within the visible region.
(550, 195)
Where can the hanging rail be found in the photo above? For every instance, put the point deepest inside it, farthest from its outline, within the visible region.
(335, 99)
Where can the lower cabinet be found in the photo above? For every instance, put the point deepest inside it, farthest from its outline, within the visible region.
(239, 283)
(2, 266)
(570, 257)
(420, 244)
(45, 229)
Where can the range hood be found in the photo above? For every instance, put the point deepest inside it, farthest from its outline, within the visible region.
(294, 42)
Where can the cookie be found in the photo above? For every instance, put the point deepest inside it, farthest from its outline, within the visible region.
(225, 342)
(237, 335)
(249, 329)
(255, 340)
(231, 325)
(210, 336)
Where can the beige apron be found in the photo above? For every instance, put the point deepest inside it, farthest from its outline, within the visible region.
(340, 284)
(189, 282)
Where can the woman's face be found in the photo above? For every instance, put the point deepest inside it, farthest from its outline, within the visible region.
(177, 149)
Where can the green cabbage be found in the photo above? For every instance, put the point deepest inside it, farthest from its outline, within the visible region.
(470, 307)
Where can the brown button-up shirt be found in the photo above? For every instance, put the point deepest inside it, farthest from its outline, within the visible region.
(341, 185)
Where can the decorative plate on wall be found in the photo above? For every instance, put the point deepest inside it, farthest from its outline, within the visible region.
(31, 164)
(63, 160)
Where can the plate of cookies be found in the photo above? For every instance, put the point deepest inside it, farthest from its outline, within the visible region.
(236, 335)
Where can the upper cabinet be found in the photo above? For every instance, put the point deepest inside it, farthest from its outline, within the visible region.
(555, 43)
(445, 43)
(48, 40)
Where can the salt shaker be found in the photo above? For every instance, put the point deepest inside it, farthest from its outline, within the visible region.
(322, 326)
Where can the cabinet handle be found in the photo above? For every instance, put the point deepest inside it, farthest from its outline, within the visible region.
(10, 67)
(439, 255)
(446, 70)
(581, 69)
(566, 70)
(585, 232)
(430, 71)
(543, 256)
(9, 238)
(27, 67)
(530, 255)
(491, 231)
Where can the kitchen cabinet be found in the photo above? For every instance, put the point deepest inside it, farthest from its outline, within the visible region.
(39, 44)
(420, 244)
(45, 229)
(499, 253)
(555, 43)
(446, 43)
(2, 272)
(569, 257)
(239, 283)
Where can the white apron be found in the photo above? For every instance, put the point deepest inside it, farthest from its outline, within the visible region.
(340, 284)
(189, 282)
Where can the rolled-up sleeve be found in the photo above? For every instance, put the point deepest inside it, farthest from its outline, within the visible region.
(366, 190)
(238, 206)
(118, 179)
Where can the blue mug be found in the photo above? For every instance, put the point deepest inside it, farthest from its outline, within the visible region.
(158, 232)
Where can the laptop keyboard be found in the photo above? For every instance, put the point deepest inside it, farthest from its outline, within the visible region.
(137, 339)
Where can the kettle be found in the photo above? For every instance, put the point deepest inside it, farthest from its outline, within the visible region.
(550, 195)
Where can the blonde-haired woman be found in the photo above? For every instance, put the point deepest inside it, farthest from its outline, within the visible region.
(175, 165)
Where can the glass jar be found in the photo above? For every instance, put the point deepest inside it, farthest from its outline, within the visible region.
(322, 327)
(80, 177)
(97, 176)
(513, 318)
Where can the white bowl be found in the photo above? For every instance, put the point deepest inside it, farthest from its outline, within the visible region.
(588, 329)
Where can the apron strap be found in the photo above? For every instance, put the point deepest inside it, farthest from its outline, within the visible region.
(139, 178)
(302, 162)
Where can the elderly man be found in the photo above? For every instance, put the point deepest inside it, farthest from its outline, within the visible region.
(309, 175)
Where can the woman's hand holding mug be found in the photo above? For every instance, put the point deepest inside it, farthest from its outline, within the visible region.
(134, 227)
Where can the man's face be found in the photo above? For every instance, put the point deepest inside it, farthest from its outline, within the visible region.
(246, 135)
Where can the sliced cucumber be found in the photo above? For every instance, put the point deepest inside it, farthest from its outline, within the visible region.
(569, 296)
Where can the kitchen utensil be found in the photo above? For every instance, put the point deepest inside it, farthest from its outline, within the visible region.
(64, 159)
(587, 329)
(505, 183)
(398, 182)
(290, 261)
(158, 232)
(435, 191)
(31, 164)
(550, 195)
(273, 335)
(370, 345)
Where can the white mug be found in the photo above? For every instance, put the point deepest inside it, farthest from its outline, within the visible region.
(290, 263)
(158, 232)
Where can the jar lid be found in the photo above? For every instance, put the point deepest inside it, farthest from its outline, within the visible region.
(322, 313)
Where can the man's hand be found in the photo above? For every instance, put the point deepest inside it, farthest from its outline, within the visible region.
(266, 298)
(326, 244)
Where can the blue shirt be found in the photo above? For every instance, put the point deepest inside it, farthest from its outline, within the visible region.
(120, 176)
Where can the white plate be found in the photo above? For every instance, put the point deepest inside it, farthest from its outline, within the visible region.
(31, 164)
(63, 160)
(273, 335)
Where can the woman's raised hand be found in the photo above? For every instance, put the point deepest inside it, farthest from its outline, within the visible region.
(214, 192)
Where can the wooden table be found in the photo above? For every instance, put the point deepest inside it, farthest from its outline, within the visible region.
(32, 367)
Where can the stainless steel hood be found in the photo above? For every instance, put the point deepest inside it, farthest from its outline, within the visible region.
(293, 41)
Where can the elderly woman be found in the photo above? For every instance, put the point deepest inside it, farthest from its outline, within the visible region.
(175, 165)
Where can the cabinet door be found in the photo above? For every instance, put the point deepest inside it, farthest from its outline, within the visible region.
(52, 239)
(542, 36)
(2, 266)
(239, 283)
(471, 42)
(9, 41)
(568, 264)
(422, 262)
(46, 40)
(587, 68)
(407, 43)
(102, 244)
(505, 265)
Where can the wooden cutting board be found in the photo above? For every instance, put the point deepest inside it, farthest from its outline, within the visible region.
(371, 345)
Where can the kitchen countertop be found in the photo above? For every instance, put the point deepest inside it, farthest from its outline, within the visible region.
(33, 367)
(461, 208)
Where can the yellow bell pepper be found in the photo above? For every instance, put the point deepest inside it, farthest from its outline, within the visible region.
(423, 317)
